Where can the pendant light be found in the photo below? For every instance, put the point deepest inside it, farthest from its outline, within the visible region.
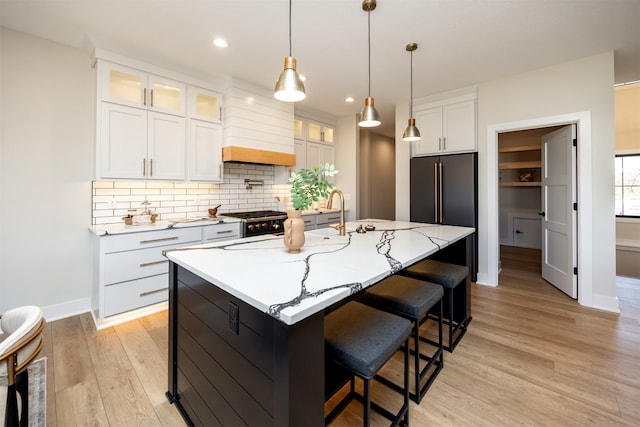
(289, 87)
(411, 133)
(369, 116)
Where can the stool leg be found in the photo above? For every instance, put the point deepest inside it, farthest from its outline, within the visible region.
(416, 339)
(450, 320)
(22, 387)
(367, 403)
(406, 378)
(440, 343)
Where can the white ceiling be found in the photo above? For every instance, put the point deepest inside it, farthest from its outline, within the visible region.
(461, 42)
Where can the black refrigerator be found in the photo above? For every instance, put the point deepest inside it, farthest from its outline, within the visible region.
(444, 190)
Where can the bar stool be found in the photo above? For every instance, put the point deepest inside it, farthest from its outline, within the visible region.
(361, 339)
(449, 276)
(412, 299)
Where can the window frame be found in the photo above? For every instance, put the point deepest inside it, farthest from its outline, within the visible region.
(615, 186)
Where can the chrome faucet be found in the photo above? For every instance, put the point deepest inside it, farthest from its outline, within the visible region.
(340, 227)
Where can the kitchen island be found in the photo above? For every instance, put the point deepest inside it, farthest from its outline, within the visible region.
(246, 329)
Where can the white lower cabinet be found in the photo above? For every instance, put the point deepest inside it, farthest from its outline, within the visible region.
(324, 219)
(131, 275)
(309, 222)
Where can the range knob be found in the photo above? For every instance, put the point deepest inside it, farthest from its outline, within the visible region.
(276, 226)
(257, 226)
(265, 226)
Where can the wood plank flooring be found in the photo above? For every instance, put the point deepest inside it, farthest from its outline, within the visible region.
(531, 357)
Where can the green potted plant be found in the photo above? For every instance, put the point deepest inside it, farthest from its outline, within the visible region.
(308, 185)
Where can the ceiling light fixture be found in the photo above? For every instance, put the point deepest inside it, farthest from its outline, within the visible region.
(220, 42)
(289, 87)
(369, 116)
(411, 133)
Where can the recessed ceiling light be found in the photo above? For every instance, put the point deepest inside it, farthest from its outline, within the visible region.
(349, 99)
(220, 42)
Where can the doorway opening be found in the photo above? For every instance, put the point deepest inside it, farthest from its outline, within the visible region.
(537, 195)
(490, 250)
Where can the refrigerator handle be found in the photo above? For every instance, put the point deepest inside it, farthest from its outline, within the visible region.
(440, 191)
(435, 192)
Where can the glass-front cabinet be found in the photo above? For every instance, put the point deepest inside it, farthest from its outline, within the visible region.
(135, 88)
(205, 104)
(318, 132)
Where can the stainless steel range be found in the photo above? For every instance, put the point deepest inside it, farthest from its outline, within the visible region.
(256, 223)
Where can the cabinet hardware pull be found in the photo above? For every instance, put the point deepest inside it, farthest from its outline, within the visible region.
(144, 97)
(333, 218)
(150, 167)
(440, 144)
(144, 167)
(163, 239)
(147, 264)
(307, 221)
(144, 294)
(224, 232)
(151, 103)
(219, 170)
(220, 114)
(440, 192)
(444, 143)
(435, 192)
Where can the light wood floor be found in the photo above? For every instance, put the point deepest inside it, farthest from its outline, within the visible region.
(532, 356)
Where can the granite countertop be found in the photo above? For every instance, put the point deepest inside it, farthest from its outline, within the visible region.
(122, 228)
(329, 267)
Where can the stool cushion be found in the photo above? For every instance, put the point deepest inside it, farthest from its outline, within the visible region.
(404, 295)
(442, 273)
(362, 338)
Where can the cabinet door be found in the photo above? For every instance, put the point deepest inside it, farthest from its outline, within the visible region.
(205, 151)
(122, 85)
(205, 104)
(299, 128)
(300, 150)
(459, 127)
(318, 132)
(166, 96)
(166, 147)
(123, 142)
(429, 122)
(319, 154)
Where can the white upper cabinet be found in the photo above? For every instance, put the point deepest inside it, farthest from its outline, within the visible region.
(205, 151)
(319, 132)
(205, 104)
(135, 88)
(139, 144)
(450, 128)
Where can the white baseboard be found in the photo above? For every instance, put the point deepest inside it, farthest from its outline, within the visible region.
(606, 303)
(482, 279)
(66, 309)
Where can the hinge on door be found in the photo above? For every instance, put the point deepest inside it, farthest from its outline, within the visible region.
(575, 142)
(575, 270)
(575, 206)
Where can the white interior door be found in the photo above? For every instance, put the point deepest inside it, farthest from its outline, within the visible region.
(559, 248)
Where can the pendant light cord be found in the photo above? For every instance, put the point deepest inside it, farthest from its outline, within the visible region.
(289, 27)
(369, 40)
(411, 98)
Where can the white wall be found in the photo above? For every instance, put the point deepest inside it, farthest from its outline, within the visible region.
(567, 89)
(46, 152)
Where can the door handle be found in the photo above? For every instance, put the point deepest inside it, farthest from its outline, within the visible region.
(518, 232)
(541, 213)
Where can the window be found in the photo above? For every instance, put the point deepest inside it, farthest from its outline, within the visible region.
(628, 185)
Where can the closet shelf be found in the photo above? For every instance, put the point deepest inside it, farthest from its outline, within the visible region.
(520, 165)
(520, 184)
(519, 148)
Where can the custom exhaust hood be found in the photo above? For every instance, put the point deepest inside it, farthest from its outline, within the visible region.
(239, 154)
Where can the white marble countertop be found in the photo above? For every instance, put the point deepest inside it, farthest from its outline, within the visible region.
(122, 228)
(260, 271)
